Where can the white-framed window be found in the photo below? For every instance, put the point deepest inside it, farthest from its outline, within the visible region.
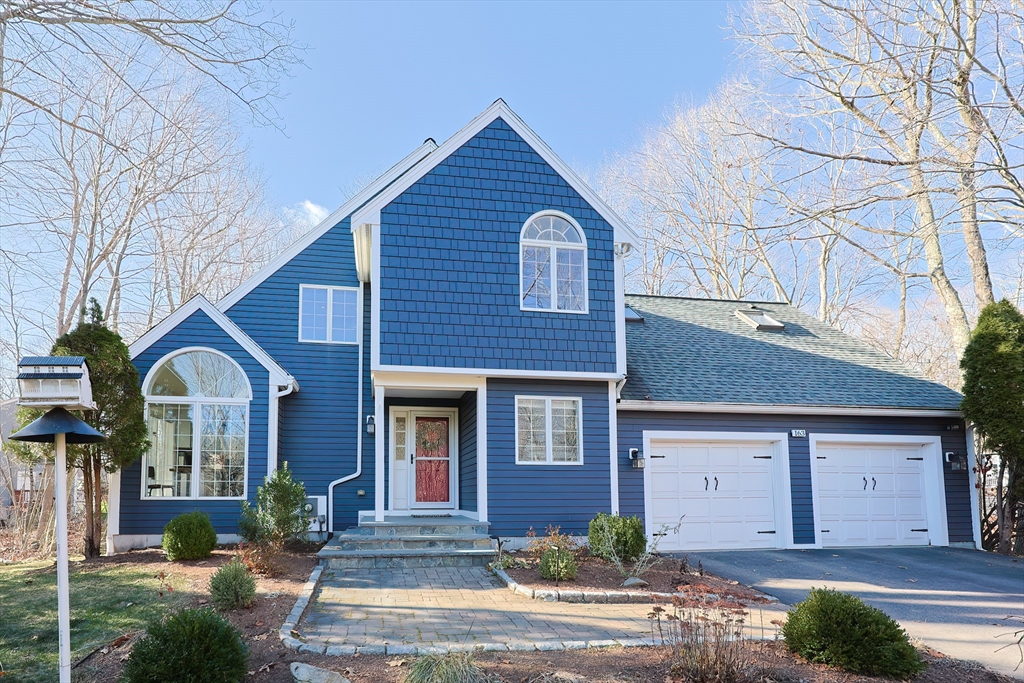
(329, 315)
(549, 430)
(197, 408)
(553, 264)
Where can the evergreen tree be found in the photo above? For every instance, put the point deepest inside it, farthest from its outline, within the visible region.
(993, 366)
(119, 413)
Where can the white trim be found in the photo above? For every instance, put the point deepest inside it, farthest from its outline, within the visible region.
(620, 311)
(325, 225)
(496, 372)
(378, 454)
(782, 493)
(331, 289)
(113, 509)
(370, 213)
(548, 446)
(453, 455)
(199, 303)
(188, 399)
(753, 408)
(934, 481)
(972, 462)
(553, 248)
(481, 452)
(375, 298)
(613, 448)
(273, 423)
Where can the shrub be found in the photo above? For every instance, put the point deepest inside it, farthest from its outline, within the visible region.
(278, 516)
(707, 643)
(628, 539)
(553, 536)
(232, 586)
(189, 536)
(259, 558)
(840, 630)
(192, 646)
(453, 667)
(557, 565)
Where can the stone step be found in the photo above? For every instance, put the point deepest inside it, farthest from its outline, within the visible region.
(364, 542)
(402, 559)
(419, 529)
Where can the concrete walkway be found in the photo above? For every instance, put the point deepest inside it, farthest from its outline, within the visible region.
(417, 611)
(955, 600)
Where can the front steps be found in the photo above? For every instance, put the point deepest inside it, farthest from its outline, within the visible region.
(407, 542)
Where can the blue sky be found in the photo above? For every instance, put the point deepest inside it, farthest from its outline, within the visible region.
(381, 77)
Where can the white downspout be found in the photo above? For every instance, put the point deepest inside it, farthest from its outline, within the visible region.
(275, 420)
(359, 430)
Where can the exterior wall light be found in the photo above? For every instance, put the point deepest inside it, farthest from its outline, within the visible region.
(371, 426)
(636, 458)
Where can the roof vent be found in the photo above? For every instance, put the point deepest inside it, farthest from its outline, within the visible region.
(758, 319)
(632, 316)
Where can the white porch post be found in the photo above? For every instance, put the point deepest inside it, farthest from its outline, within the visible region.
(379, 425)
(613, 442)
(481, 451)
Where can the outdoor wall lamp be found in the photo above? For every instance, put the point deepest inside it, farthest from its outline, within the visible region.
(957, 462)
(371, 426)
(636, 458)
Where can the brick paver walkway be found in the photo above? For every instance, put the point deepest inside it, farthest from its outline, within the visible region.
(454, 607)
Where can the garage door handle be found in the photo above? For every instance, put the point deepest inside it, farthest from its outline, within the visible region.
(705, 483)
(865, 483)
(716, 483)
(873, 483)
(766, 532)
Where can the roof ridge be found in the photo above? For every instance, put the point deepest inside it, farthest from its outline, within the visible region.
(703, 298)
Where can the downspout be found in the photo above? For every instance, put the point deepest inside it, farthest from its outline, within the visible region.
(275, 415)
(359, 436)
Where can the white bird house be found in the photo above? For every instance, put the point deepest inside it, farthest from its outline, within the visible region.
(46, 381)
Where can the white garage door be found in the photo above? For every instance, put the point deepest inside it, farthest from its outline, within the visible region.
(719, 493)
(871, 495)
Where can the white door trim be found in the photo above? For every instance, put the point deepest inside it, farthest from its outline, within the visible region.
(934, 482)
(453, 450)
(782, 493)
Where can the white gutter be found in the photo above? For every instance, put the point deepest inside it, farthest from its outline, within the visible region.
(359, 428)
(275, 418)
(746, 408)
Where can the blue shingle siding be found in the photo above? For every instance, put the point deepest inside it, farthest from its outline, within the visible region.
(319, 424)
(958, 487)
(149, 516)
(467, 451)
(449, 266)
(524, 496)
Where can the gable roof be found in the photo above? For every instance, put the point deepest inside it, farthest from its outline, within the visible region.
(371, 211)
(357, 200)
(698, 351)
(278, 375)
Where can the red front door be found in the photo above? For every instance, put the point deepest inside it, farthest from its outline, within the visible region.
(433, 461)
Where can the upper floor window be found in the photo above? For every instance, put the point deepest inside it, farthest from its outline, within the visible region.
(328, 314)
(553, 264)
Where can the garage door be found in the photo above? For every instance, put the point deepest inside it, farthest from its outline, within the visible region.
(871, 495)
(719, 493)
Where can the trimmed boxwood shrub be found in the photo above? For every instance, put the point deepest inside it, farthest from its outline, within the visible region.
(838, 629)
(189, 536)
(232, 586)
(192, 646)
(627, 535)
(557, 565)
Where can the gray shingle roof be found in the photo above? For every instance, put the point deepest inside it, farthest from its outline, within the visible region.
(698, 350)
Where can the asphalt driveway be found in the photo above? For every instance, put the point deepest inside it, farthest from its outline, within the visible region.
(955, 600)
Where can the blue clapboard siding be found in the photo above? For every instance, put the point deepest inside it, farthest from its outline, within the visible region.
(320, 423)
(449, 266)
(958, 488)
(467, 451)
(150, 515)
(524, 496)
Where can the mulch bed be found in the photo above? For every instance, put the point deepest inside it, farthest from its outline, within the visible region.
(667, 576)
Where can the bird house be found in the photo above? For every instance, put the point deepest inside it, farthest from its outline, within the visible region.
(46, 381)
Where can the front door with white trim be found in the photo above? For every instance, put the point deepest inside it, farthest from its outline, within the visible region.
(424, 458)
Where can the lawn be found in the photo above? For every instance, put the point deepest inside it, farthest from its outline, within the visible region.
(107, 601)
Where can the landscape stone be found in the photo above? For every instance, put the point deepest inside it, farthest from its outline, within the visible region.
(304, 673)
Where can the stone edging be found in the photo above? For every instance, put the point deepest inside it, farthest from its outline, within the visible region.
(289, 636)
(596, 596)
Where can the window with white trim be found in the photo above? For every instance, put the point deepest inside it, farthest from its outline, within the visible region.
(549, 431)
(328, 314)
(197, 405)
(553, 264)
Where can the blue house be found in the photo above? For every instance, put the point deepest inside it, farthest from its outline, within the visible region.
(456, 342)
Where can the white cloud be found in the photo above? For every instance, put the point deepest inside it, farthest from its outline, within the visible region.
(305, 213)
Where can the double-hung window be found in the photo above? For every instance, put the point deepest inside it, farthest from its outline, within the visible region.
(553, 264)
(549, 430)
(328, 314)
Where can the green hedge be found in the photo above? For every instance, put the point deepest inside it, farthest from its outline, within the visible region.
(627, 537)
(189, 536)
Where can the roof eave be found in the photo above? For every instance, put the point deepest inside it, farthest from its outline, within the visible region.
(787, 409)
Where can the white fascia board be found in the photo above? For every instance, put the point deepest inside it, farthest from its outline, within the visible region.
(278, 375)
(371, 212)
(498, 373)
(682, 407)
(326, 224)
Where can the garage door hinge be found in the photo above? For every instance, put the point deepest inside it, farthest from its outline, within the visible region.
(915, 458)
(661, 534)
(821, 457)
(657, 456)
(762, 457)
(826, 531)
(766, 532)
(919, 530)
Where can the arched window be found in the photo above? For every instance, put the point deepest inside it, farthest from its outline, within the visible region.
(553, 264)
(197, 405)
